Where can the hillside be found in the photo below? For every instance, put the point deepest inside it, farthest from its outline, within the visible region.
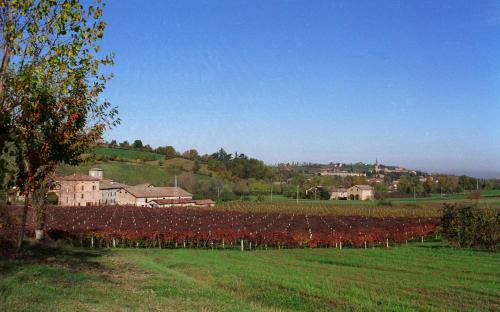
(127, 154)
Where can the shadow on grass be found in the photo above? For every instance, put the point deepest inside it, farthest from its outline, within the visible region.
(70, 258)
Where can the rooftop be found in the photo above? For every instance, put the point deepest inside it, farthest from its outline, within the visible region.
(76, 177)
(167, 191)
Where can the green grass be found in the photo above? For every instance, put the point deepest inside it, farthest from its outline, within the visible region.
(421, 277)
(126, 153)
(127, 172)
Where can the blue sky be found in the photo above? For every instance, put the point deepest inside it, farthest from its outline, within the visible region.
(413, 83)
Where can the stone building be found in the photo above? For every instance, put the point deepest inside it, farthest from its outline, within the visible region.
(110, 191)
(78, 190)
(361, 192)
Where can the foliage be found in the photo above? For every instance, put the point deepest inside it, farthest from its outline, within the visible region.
(469, 226)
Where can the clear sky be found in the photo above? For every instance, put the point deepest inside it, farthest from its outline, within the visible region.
(412, 83)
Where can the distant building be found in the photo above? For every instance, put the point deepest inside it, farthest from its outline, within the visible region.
(341, 173)
(78, 190)
(361, 192)
(339, 193)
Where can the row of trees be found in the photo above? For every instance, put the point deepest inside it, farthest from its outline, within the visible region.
(444, 184)
(51, 79)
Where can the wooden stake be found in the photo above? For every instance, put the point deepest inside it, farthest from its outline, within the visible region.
(241, 245)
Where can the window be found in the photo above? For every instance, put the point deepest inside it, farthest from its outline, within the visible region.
(82, 187)
(93, 187)
(82, 196)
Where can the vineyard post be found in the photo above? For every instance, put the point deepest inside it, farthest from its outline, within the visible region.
(241, 244)
(406, 242)
(114, 243)
(340, 244)
(223, 243)
(387, 243)
(92, 241)
(250, 245)
(365, 244)
(184, 243)
(422, 238)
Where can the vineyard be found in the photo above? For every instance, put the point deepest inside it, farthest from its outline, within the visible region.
(130, 226)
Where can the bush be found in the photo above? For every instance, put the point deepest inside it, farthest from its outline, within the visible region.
(260, 198)
(384, 202)
(469, 226)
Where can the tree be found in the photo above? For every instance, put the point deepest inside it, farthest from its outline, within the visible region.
(191, 154)
(125, 144)
(429, 185)
(196, 166)
(113, 143)
(137, 144)
(50, 82)
(168, 151)
(380, 190)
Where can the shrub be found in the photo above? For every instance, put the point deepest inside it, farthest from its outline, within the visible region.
(469, 226)
(384, 202)
(260, 198)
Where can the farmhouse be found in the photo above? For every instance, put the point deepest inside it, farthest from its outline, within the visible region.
(77, 190)
(143, 195)
(339, 193)
(166, 203)
(361, 192)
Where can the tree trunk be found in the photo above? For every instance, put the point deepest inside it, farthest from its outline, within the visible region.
(23, 221)
(38, 205)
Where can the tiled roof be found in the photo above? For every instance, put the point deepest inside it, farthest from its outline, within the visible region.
(175, 201)
(76, 177)
(107, 185)
(340, 189)
(204, 202)
(364, 187)
(145, 192)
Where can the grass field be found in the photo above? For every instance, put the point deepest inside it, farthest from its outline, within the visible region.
(126, 153)
(126, 172)
(425, 277)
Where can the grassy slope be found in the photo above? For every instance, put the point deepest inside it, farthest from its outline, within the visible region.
(127, 154)
(403, 278)
(127, 172)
